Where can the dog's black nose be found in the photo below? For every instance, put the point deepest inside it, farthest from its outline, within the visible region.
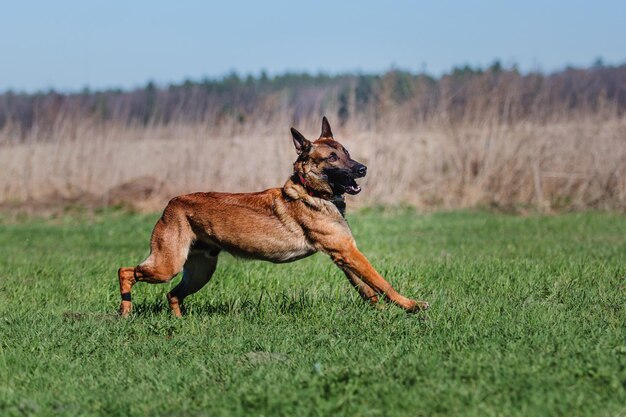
(361, 170)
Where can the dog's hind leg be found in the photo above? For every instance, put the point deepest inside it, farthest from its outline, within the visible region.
(126, 277)
(171, 238)
(365, 291)
(197, 271)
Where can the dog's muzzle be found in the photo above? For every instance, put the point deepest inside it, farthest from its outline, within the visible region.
(358, 171)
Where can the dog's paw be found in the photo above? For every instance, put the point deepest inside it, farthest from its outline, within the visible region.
(418, 306)
(125, 309)
(423, 305)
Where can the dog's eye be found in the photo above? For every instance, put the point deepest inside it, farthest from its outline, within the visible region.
(346, 152)
(332, 157)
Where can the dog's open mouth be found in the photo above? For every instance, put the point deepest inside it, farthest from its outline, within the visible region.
(342, 181)
(348, 185)
(352, 187)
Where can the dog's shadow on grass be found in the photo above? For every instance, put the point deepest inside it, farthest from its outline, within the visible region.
(290, 304)
(283, 303)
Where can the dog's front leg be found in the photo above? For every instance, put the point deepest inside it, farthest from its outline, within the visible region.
(365, 291)
(348, 257)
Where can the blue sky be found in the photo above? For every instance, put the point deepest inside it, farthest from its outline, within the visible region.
(68, 45)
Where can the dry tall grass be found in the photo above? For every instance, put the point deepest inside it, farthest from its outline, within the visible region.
(576, 163)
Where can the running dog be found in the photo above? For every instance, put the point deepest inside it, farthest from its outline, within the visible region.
(278, 225)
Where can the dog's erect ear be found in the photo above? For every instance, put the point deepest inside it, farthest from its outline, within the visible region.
(300, 142)
(326, 132)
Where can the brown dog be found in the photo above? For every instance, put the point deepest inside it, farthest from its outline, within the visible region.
(276, 225)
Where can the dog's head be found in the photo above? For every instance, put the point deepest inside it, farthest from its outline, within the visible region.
(324, 167)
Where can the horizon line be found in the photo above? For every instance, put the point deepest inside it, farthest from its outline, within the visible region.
(597, 62)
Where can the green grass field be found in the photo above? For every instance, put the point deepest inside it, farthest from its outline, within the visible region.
(527, 318)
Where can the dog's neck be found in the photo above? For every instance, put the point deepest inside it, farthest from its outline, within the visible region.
(340, 202)
(298, 180)
(310, 186)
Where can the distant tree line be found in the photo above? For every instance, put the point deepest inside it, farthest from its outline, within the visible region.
(367, 100)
